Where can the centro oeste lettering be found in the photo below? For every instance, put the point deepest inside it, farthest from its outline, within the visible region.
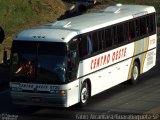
(107, 58)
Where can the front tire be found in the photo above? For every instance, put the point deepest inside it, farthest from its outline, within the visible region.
(84, 95)
(135, 73)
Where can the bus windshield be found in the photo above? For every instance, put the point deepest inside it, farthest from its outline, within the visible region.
(38, 62)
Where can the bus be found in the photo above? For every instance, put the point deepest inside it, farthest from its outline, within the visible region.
(66, 62)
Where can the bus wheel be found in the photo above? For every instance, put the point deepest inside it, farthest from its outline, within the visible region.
(84, 95)
(135, 73)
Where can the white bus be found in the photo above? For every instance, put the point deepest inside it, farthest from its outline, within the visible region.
(66, 62)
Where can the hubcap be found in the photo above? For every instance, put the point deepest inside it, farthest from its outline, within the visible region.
(84, 95)
(135, 73)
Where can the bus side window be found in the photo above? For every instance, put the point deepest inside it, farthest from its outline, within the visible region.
(120, 33)
(103, 39)
(147, 25)
(108, 37)
(114, 35)
(152, 23)
(143, 26)
(83, 46)
(100, 39)
(89, 45)
(127, 33)
(137, 27)
(132, 29)
(95, 42)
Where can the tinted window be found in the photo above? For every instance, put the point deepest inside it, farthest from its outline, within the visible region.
(83, 46)
(100, 39)
(143, 26)
(41, 62)
(55, 48)
(152, 23)
(132, 29)
(120, 33)
(108, 37)
(114, 35)
(137, 27)
(127, 34)
(95, 42)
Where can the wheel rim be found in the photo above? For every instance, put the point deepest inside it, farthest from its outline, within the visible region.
(84, 95)
(135, 73)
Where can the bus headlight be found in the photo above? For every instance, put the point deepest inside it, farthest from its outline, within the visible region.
(62, 92)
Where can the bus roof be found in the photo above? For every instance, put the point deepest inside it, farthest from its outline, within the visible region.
(65, 30)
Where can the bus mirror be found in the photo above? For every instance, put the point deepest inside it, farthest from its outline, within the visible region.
(1, 35)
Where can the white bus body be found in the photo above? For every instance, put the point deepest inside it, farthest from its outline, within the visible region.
(100, 70)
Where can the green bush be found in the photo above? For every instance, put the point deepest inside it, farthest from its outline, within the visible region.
(16, 12)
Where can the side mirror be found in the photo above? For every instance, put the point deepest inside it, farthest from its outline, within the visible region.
(1, 35)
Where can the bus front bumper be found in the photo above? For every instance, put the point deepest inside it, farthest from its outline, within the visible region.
(39, 99)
